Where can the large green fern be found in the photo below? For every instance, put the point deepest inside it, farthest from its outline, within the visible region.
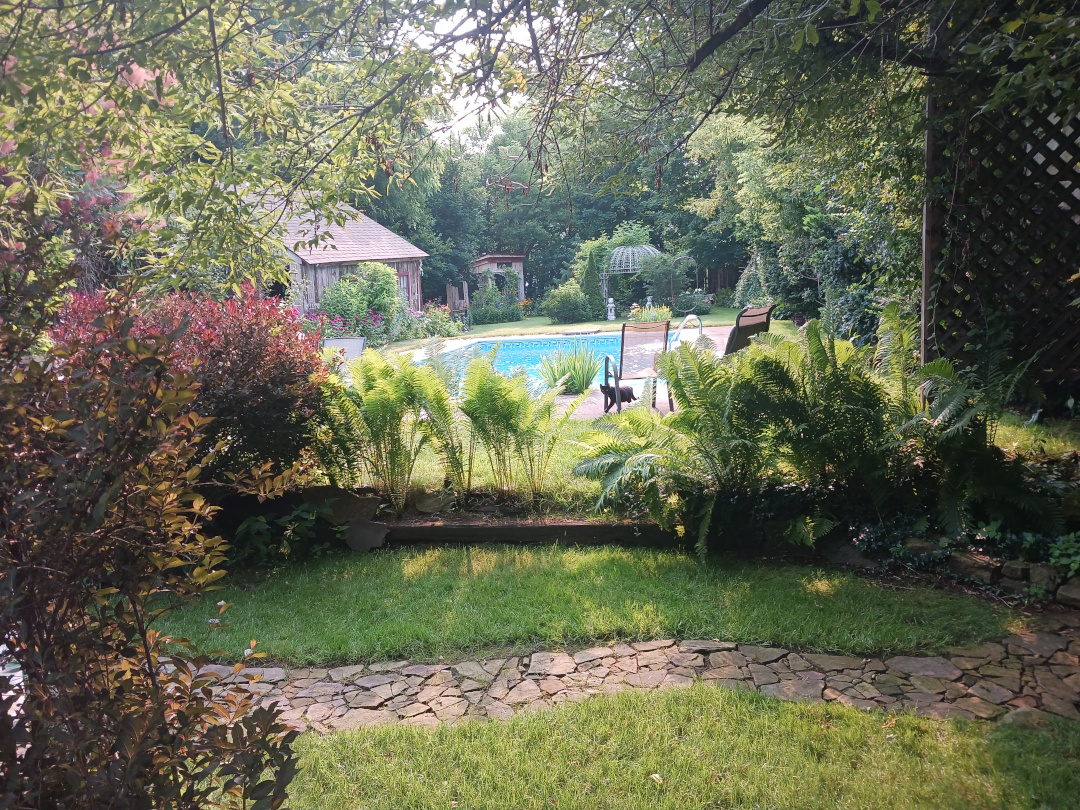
(494, 406)
(869, 429)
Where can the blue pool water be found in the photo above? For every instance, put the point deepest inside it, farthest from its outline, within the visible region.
(515, 354)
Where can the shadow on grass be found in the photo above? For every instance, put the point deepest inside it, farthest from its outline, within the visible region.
(1042, 764)
(698, 747)
(459, 602)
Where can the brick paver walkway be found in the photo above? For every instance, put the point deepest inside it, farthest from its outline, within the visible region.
(1038, 670)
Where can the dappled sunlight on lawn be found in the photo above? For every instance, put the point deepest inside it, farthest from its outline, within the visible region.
(424, 564)
(478, 562)
(424, 603)
(821, 585)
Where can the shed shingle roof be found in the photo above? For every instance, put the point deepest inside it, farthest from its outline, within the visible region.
(360, 239)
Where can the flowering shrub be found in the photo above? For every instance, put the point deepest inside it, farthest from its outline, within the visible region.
(438, 322)
(406, 324)
(257, 367)
(370, 287)
(724, 297)
(372, 326)
(695, 302)
(489, 304)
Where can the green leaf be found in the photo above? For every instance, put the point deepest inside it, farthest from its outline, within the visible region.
(811, 34)
(797, 43)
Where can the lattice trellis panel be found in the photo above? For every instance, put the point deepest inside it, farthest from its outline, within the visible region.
(1011, 236)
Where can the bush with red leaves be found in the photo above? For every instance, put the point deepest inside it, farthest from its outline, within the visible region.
(258, 371)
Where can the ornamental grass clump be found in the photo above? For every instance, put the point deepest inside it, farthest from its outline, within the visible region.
(573, 369)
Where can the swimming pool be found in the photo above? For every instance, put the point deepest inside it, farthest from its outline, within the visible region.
(515, 354)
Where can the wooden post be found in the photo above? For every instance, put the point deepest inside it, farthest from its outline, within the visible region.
(931, 229)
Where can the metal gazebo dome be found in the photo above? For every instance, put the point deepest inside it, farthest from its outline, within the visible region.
(625, 260)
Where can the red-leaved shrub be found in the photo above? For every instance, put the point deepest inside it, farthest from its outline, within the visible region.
(258, 371)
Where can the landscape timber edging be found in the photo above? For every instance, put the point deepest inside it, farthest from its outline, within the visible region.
(569, 533)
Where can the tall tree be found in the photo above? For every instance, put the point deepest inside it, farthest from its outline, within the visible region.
(211, 115)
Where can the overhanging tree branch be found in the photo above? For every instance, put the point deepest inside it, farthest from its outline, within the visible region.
(750, 12)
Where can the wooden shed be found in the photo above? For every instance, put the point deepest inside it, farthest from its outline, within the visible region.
(341, 248)
(498, 264)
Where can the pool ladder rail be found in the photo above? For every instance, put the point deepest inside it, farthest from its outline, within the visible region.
(676, 336)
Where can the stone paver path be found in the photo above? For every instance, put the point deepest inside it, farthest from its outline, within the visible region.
(1038, 670)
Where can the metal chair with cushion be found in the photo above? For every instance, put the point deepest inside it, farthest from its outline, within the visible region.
(642, 343)
(751, 321)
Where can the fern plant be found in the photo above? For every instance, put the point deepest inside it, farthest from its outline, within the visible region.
(537, 436)
(337, 440)
(866, 433)
(828, 414)
(445, 430)
(391, 399)
(376, 424)
(677, 465)
(574, 369)
(495, 407)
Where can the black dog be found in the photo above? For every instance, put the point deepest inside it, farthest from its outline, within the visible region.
(626, 394)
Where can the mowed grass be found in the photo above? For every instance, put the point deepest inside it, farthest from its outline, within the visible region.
(701, 747)
(1050, 437)
(459, 602)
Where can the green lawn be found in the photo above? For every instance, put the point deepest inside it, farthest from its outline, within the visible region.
(1046, 437)
(541, 325)
(459, 602)
(707, 747)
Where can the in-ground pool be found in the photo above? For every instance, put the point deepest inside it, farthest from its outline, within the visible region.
(526, 353)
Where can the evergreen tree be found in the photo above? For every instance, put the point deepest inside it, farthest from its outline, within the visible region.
(590, 283)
